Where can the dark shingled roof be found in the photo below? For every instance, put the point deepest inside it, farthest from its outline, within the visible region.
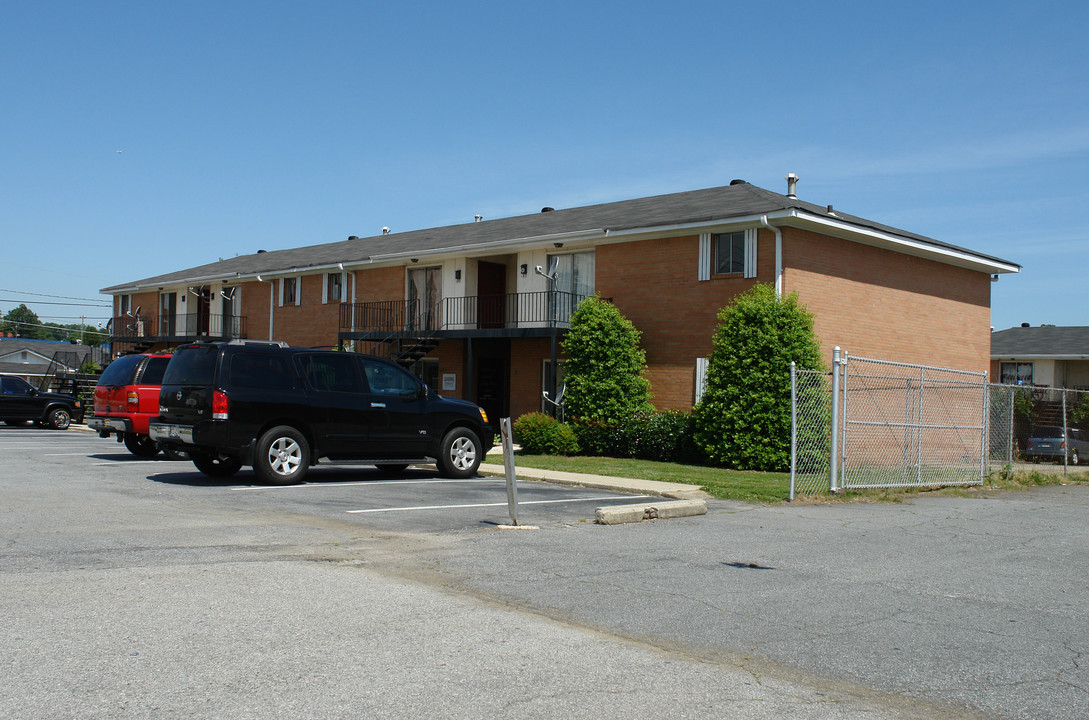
(736, 200)
(1041, 342)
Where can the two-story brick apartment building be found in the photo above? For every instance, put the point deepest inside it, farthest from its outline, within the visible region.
(476, 306)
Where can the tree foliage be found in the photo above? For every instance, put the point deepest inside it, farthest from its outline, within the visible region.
(604, 367)
(25, 323)
(22, 322)
(743, 418)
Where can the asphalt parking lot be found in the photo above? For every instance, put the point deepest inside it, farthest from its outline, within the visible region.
(138, 588)
(418, 500)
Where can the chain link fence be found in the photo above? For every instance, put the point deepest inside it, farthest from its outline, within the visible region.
(1018, 413)
(881, 424)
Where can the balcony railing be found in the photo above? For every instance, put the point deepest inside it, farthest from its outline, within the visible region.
(174, 327)
(476, 312)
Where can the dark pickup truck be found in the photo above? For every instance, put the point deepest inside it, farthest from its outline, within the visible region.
(21, 402)
(1046, 442)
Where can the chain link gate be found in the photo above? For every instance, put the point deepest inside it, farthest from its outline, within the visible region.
(880, 424)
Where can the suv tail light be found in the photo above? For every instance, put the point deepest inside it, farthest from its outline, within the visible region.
(219, 405)
(133, 400)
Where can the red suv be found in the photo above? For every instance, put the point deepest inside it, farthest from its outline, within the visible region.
(126, 398)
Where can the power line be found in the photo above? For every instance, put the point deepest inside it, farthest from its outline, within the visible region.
(62, 297)
(53, 302)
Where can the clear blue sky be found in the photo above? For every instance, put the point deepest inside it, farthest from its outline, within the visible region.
(138, 138)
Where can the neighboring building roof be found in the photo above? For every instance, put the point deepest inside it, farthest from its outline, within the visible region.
(41, 353)
(737, 202)
(1047, 342)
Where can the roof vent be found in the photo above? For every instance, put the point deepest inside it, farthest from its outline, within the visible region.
(739, 182)
(548, 209)
(792, 186)
(261, 251)
(478, 218)
(1026, 324)
(352, 237)
(385, 231)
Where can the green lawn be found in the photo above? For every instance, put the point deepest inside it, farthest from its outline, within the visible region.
(770, 487)
(724, 484)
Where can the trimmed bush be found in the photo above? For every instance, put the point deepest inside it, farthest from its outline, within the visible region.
(743, 420)
(604, 366)
(540, 434)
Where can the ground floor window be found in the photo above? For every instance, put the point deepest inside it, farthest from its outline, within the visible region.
(1016, 373)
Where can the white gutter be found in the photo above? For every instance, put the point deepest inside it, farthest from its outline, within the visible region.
(778, 256)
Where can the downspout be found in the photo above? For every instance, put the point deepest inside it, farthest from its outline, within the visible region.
(778, 256)
(271, 302)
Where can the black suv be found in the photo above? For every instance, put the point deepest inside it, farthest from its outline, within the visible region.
(21, 402)
(280, 408)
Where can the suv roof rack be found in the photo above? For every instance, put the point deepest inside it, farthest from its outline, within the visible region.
(276, 343)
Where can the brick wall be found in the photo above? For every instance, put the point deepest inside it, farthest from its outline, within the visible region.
(882, 304)
(654, 284)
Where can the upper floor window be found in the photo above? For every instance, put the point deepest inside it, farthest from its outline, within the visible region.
(729, 249)
(289, 291)
(732, 253)
(333, 288)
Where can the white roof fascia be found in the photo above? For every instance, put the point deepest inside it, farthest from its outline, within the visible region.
(947, 255)
(666, 230)
(1036, 356)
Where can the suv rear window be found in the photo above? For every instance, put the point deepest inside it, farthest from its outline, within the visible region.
(153, 373)
(120, 371)
(193, 365)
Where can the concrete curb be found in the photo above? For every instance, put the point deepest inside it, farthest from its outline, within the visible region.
(633, 486)
(618, 514)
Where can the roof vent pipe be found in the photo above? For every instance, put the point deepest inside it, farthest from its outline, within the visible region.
(385, 231)
(792, 186)
(478, 218)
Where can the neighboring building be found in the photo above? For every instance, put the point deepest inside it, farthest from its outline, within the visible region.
(469, 302)
(32, 359)
(1044, 356)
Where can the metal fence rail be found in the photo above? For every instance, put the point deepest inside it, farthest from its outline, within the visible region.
(880, 424)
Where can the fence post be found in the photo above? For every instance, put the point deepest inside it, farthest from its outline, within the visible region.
(793, 425)
(833, 462)
(1066, 437)
(1009, 454)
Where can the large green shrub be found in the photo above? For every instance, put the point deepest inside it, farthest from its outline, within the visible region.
(540, 434)
(743, 419)
(604, 366)
(646, 435)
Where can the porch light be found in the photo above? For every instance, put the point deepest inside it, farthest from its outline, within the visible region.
(523, 269)
(457, 275)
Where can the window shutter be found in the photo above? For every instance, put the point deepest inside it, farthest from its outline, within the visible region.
(704, 272)
(750, 253)
(701, 378)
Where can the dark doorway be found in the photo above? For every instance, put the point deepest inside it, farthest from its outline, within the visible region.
(204, 308)
(492, 290)
(492, 378)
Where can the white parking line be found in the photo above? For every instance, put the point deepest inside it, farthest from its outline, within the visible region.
(496, 504)
(363, 482)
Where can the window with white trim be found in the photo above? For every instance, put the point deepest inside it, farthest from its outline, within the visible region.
(732, 253)
(289, 291)
(333, 290)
